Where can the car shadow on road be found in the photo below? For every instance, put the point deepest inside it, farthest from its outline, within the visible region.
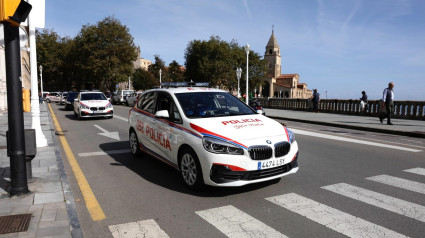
(159, 173)
(74, 118)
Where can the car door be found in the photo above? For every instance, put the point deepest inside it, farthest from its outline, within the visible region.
(146, 121)
(169, 127)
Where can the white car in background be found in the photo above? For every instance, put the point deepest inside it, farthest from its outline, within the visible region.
(210, 136)
(53, 97)
(92, 104)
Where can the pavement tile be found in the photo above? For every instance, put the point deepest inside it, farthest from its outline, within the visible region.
(48, 215)
(36, 211)
(20, 209)
(53, 228)
(48, 197)
(40, 170)
(47, 186)
(31, 232)
(61, 214)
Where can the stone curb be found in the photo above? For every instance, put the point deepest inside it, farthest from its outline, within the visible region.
(74, 222)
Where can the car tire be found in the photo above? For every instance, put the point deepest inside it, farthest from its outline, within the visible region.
(134, 144)
(48, 100)
(190, 169)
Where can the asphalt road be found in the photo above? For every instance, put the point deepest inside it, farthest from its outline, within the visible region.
(332, 161)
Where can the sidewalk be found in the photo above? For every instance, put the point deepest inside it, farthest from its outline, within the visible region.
(414, 128)
(50, 201)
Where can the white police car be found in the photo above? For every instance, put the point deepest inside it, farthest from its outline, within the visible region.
(92, 104)
(210, 136)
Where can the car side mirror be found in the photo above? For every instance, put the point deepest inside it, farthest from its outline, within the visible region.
(75, 100)
(162, 114)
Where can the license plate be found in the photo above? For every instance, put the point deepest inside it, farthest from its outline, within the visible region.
(270, 163)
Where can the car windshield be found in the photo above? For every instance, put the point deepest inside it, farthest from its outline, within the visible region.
(212, 104)
(92, 96)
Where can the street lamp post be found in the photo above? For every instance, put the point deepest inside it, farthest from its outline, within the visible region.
(238, 75)
(41, 80)
(247, 54)
(160, 75)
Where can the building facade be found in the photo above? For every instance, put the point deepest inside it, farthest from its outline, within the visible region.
(278, 84)
(25, 75)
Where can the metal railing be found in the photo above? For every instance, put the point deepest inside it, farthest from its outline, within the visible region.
(414, 110)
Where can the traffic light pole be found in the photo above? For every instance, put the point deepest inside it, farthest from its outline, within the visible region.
(16, 140)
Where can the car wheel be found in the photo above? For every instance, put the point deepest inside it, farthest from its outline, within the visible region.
(134, 144)
(48, 100)
(190, 169)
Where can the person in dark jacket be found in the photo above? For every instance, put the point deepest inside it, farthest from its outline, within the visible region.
(387, 102)
(316, 99)
(363, 102)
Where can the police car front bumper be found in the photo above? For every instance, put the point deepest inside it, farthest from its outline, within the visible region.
(222, 174)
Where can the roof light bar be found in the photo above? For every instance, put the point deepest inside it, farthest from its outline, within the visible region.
(184, 84)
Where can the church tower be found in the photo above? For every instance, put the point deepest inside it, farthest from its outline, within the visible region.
(272, 56)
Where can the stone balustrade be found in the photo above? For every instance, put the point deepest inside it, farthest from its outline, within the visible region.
(414, 110)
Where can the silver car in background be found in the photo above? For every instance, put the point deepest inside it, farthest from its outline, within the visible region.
(132, 99)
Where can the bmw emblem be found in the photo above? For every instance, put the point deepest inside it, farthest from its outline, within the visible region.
(268, 142)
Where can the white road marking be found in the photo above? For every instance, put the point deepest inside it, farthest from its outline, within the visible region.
(339, 138)
(111, 134)
(400, 183)
(368, 135)
(235, 223)
(332, 218)
(108, 152)
(392, 204)
(420, 171)
(121, 118)
(140, 229)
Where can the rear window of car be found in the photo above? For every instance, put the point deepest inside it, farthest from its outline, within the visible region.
(93, 96)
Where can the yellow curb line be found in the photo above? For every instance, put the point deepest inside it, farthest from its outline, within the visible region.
(92, 204)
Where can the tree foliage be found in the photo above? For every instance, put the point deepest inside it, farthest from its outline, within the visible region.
(106, 52)
(99, 57)
(143, 79)
(215, 61)
(175, 72)
(51, 49)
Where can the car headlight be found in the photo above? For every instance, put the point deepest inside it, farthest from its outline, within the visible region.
(82, 106)
(220, 147)
(109, 105)
(291, 136)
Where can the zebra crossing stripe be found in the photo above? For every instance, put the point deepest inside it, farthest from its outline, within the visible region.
(419, 171)
(399, 183)
(235, 223)
(332, 218)
(140, 229)
(392, 204)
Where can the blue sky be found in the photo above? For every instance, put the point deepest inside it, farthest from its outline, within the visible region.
(341, 47)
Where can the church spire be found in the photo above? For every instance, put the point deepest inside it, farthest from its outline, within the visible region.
(272, 41)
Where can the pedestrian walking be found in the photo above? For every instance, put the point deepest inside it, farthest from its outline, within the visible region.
(387, 104)
(316, 99)
(363, 102)
(40, 97)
